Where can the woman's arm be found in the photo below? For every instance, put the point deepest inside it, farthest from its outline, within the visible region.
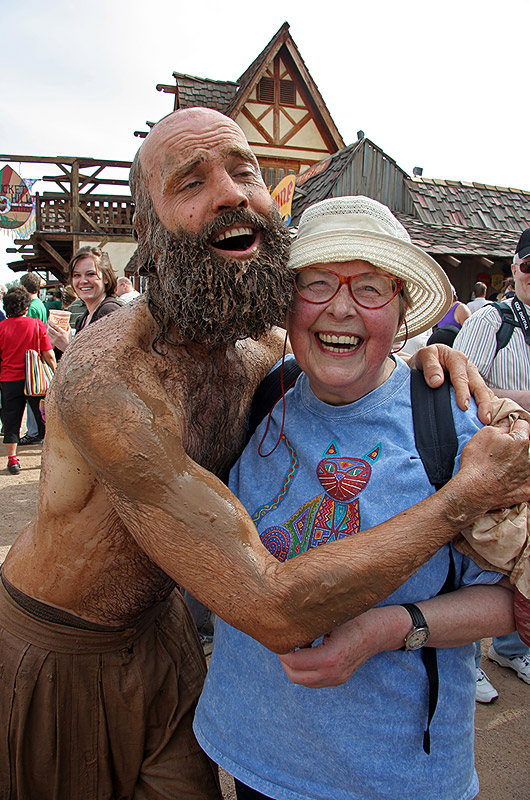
(454, 619)
(49, 358)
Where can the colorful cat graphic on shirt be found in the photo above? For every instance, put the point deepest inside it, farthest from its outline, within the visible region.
(329, 516)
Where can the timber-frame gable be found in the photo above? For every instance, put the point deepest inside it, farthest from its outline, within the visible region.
(275, 102)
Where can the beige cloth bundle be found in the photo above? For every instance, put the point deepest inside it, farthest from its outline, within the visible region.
(500, 540)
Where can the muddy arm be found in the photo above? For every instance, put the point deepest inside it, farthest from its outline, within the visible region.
(190, 524)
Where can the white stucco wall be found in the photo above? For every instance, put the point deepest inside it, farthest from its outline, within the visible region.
(119, 253)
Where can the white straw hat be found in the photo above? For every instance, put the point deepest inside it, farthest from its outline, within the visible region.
(359, 228)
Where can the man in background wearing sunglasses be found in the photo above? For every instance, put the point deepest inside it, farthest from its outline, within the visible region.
(506, 370)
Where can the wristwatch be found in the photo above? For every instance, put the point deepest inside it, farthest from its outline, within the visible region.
(419, 633)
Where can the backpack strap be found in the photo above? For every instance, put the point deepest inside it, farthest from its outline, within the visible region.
(437, 444)
(269, 392)
(434, 427)
(508, 324)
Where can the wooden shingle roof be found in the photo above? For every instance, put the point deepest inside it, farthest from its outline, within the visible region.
(204, 92)
(458, 241)
(470, 205)
(230, 97)
(318, 182)
(443, 217)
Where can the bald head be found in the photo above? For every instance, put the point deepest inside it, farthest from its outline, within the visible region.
(186, 125)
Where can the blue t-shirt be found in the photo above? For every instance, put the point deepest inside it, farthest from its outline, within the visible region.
(341, 469)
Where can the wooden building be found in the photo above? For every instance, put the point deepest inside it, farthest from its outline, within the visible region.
(75, 213)
(470, 228)
(276, 103)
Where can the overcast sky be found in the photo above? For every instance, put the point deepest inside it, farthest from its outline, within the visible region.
(443, 86)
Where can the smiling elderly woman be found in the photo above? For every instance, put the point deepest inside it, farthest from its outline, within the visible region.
(346, 460)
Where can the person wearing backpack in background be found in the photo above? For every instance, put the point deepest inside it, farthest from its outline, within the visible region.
(446, 330)
(496, 338)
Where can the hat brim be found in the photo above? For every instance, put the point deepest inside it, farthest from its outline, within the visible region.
(428, 285)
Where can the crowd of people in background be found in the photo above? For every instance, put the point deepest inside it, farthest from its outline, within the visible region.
(92, 291)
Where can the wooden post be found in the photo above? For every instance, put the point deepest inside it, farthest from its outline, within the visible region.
(74, 191)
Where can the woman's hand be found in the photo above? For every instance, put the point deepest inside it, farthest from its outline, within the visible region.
(347, 648)
(454, 619)
(59, 337)
(464, 375)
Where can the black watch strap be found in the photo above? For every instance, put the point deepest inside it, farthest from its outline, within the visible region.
(418, 620)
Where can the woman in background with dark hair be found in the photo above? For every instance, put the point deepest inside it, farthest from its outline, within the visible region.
(19, 333)
(93, 280)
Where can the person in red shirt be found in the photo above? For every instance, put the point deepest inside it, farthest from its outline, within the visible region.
(19, 333)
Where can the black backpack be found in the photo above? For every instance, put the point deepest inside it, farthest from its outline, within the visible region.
(508, 324)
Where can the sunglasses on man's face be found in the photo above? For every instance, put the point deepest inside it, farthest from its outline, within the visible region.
(524, 266)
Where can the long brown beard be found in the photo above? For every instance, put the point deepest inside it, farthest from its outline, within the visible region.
(206, 298)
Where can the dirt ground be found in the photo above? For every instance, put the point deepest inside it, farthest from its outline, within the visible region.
(502, 729)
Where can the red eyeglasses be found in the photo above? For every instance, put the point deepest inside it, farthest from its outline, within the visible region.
(371, 290)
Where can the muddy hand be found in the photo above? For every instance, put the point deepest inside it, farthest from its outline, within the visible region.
(498, 466)
(465, 377)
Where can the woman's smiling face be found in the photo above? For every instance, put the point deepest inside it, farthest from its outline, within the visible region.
(342, 347)
(87, 281)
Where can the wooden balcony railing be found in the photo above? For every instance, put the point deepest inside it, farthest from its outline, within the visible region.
(110, 215)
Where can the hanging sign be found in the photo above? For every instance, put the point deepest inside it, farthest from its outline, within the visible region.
(16, 202)
(283, 197)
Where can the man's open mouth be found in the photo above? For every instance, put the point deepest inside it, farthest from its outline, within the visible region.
(338, 344)
(236, 240)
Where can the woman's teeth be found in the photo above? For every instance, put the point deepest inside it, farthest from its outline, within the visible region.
(338, 344)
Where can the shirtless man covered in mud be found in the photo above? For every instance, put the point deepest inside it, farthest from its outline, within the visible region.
(101, 664)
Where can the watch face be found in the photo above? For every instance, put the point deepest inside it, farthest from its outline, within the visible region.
(416, 638)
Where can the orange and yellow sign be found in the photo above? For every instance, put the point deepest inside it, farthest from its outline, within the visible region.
(282, 195)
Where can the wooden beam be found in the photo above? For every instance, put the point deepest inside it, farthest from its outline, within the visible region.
(276, 109)
(58, 160)
(85, 179)
(486, 262)
(74, 211)
(89, 178)
(90, 221)
(294, 130)
(315, 98)
(114, 198)
(451, 261)
(58, 259)
(36, 159)
(251, 118)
